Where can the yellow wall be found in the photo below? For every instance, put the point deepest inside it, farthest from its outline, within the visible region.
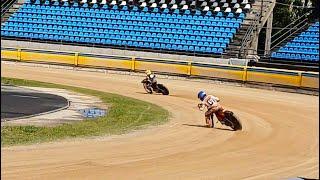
(162, 67)
(273, 77)
(217, 72)
(310, 82)
(100, 62)
(43, 57)
(9, 54)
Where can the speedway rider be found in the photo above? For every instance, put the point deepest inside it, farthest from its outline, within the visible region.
(212, 104)
(151, 78)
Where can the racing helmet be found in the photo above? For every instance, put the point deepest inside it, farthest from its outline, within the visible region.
(148, 72)
(202, 95)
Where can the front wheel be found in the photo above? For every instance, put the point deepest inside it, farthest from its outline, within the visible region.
(147, 88)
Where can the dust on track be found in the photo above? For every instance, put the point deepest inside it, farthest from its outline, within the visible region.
(279, 139)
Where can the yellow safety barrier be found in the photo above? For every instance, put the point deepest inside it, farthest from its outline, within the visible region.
(47, 56)
(310, 80)
(241, 73)
(218, 71)
(273, 76)
(10, 54)
(101, 61)
(168, 66)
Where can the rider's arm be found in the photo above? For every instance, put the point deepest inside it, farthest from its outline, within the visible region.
(201, 106)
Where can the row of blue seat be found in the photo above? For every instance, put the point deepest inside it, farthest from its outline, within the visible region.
(313, 29)
(295, 56)
(303, 45)
(299, 51)
(137, 32)
(168, 46)
(306, 39)
(309, 34)
(126, 28)
(131, 25)
(72, 20)
(112, 31)
(129, 36)
(128, 20)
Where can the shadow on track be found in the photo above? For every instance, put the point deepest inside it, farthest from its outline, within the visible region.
(204, 126)
(151, 94)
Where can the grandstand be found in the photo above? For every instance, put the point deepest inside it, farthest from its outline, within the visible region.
(217, 29)
(133, 25)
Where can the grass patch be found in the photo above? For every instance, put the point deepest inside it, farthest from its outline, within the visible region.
(124, 115)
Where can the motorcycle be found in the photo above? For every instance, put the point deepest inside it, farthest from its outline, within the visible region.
(225, 117)
(158, 88)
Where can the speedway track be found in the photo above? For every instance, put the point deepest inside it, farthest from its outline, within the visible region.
(279, 138)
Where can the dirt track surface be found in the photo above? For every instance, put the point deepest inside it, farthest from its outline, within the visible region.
(279, 140)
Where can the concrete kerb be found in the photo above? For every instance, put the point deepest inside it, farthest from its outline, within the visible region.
(68, 114)
(39, 114)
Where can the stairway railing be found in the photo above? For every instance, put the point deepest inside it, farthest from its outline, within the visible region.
(6, 6)
(245, 43)
(287, 31)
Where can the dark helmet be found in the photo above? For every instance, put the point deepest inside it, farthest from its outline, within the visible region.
(202, 95)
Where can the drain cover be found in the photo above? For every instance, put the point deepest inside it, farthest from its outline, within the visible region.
(92, 112)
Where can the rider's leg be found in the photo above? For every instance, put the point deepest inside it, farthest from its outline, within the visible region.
(154, 86)
(149, 86)
(220, 114)
(208, 118)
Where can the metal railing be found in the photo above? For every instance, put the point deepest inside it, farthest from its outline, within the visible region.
(265, 8)
(289, 30)
(247, 38)
(6, 6)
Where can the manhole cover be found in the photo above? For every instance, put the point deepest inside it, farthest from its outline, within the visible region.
(93, 112)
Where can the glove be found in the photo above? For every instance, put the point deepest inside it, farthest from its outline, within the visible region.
(200, 106)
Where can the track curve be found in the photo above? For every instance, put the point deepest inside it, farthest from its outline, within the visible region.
(279, 138)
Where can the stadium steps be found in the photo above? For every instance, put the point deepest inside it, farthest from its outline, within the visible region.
(233, 49)
(8, 8)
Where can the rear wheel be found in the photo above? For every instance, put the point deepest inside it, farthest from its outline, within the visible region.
(163, 89)
(232, 121)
